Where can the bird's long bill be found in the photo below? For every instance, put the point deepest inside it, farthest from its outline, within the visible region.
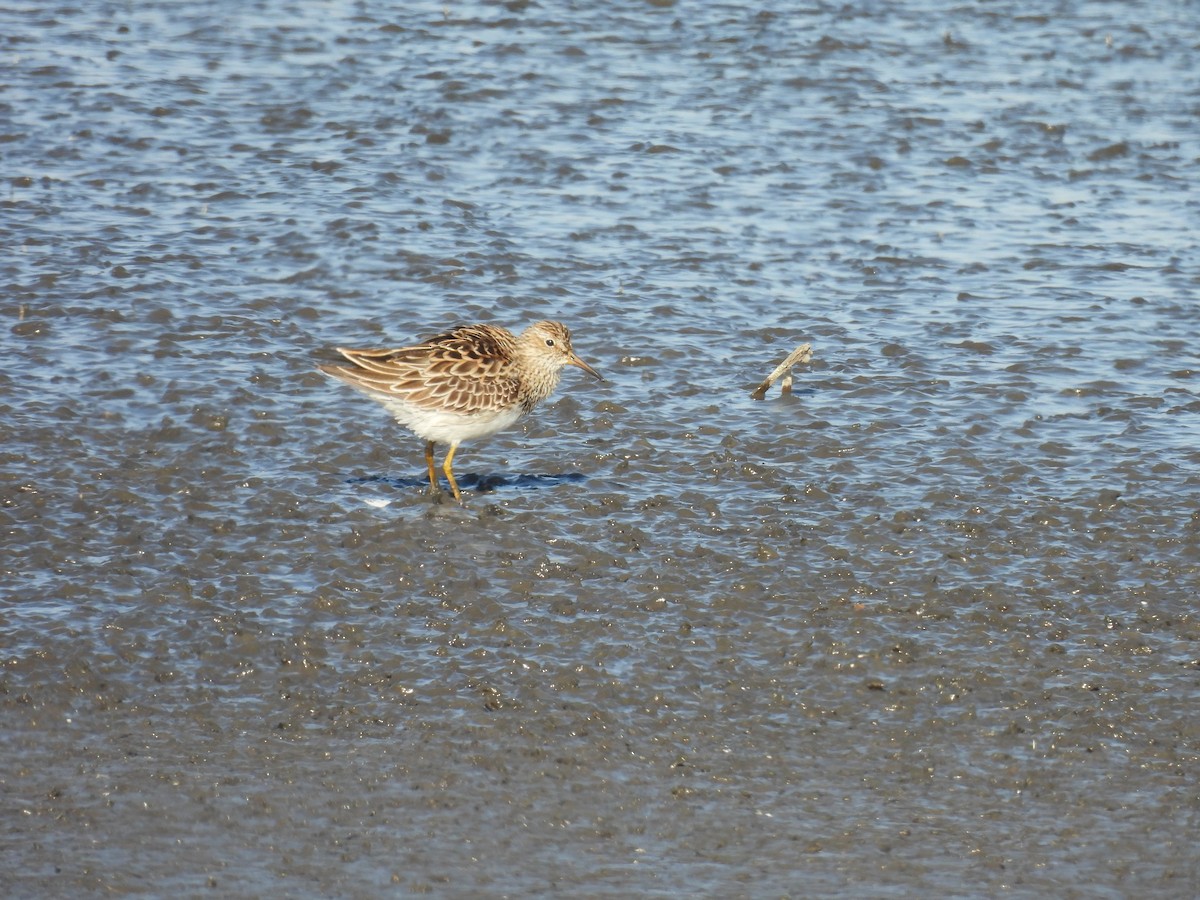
(576, 361)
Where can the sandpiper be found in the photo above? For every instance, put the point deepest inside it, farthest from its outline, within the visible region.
(468, 383)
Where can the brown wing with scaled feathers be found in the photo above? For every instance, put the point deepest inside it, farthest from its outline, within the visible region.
(464, 370)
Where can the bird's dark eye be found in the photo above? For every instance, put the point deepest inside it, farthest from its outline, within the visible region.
(549, 342)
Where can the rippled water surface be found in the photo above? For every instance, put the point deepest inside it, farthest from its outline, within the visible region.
(927, 626)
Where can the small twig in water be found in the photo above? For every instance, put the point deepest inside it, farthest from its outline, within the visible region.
(801, 354)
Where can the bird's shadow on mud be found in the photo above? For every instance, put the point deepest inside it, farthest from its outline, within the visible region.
(471, 481)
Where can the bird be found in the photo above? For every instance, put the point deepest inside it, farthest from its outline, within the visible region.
(466, 383)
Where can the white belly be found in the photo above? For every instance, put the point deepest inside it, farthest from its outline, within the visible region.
(449, 427)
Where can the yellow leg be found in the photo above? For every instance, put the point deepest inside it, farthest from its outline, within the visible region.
(446, 467)
(433, 485)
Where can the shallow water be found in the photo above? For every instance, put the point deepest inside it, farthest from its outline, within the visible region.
(925, 626)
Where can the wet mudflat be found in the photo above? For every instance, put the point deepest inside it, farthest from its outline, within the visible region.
(926, 626)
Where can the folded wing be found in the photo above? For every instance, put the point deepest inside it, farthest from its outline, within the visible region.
(466, 370)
